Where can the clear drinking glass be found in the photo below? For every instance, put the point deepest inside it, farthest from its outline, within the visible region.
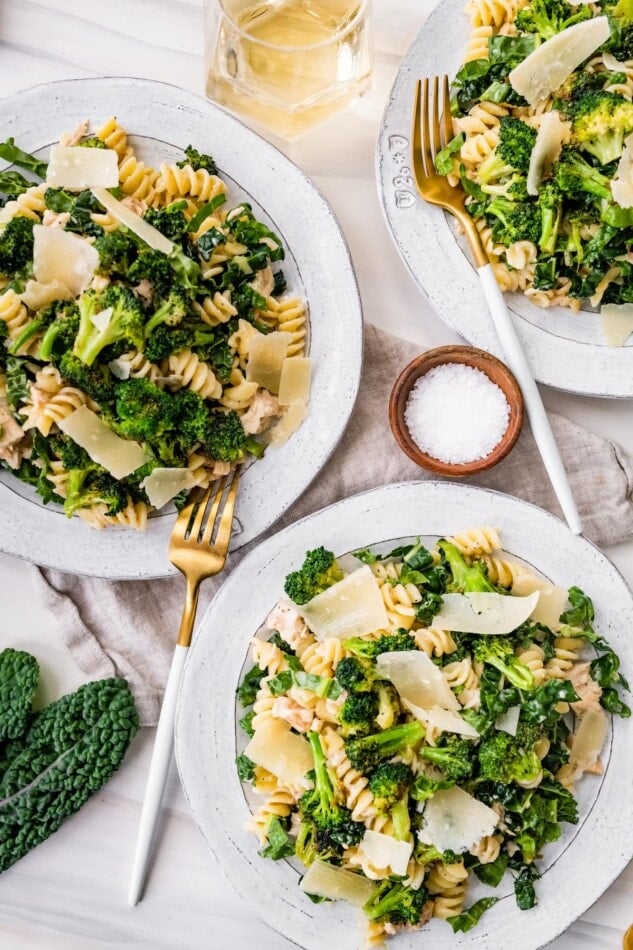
(287, 64)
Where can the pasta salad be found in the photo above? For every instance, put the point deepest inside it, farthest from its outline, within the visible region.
(419, 717)
(542, 107)
(147, 340)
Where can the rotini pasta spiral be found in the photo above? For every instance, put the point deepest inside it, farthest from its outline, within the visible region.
(358, 798)
(279, 805)
(113, 136)
(195, 374)
(433, 641)
(181, 182)
(477, 541)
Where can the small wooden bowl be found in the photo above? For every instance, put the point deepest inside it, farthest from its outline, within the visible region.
(494, 369)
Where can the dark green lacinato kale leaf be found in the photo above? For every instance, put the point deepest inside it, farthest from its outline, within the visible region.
(19, 675)
(71, 749)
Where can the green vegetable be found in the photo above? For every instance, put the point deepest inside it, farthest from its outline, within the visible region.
(280, 845)
(465, 577)
(198, 161)
(16, 245)
(546, 18)
(318, 572)
(10, 152)
(19, 674)
(388, 643)
(70, 750)
(424, 787)
(444, 158)
(396, 903)
(452, 756)
(368, 752)
(13, 183)
(245, 768)
(492, 873)
(249, 687)
(125, 323)
(499, 652)
(462, 923)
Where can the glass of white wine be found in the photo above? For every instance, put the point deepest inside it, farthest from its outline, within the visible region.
(287, 64)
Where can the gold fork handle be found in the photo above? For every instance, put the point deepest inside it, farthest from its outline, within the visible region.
(189, 613)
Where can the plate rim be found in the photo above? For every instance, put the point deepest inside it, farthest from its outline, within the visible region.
(264, 555)
(18, 507)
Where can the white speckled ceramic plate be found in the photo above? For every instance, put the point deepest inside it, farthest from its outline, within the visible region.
(162, 120)
(565, 349)
(576, 869)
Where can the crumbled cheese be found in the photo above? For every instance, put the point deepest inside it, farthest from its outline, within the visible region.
(120, 368)
(455, 413)
(119, 456)
(487, 613)
(102, 319)
(351, 608)
(455, 821)
(64, 257)
(76, 168)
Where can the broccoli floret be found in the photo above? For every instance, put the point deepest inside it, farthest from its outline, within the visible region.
(192, 416)
(16, 245)
(171, 312)
(389, 643)
(169, 221)
(44, 318)
(512, 153)
(550, 202)
(355, 674)
(62, 330)
(318, 572)
(397, 904)
(576, 178)
(466, 578)
(499, 652)
(70, 750)
(357, 714)
(389, 783)
(225, 439)
(125, 323)
(326, 825)
(117, 250)
(164, 341)
(19, 674)
(546, 18)
(505, 758)
(92, 141)
(453, 756)
(155, 267)
(600, 122)
(368, 752)
(96, 381)
(70, 454)
(198, 160)
(513, 220)
(94, 486)
(388, 705)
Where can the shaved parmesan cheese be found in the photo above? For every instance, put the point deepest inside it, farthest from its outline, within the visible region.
(350, 608)
(294, 384)
(386, 855)
(38, 295)
(62, 256)
(266, 355)
(588, 740)
(126, 216)
(552, 599)
(102, 319)
(78, 168)
(549, 65)
(455, 821)
(622, 183)
(509, 720)
(616, 323)
(551, 134)
(445, 719)
(120, 368)
(119, 456)
(163, 484)
(417, 679)
(484, 613)
(326, 880)
(282, 752)
(289, 422)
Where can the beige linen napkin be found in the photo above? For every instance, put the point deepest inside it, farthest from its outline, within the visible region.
(128, 628)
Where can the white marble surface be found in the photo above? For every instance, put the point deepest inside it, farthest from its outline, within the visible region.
(70, 893)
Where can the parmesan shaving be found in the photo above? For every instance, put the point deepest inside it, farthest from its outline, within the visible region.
(120, 368)
(417, 679)
(588, 740)
(552, 132)
(616, 323)
(493, 614)
(266, 356)
(445, 719)
(552, 599)
(102, 319)
(119, 456)
(351, 608)
(326, 880)
(455, 821)
(284, 753)
(289, 423)
(294, 384)
(163, 484)
(64, 257)
(76, 168)
(549, 65)
(509, 720)
(37, 295)
(152, 236)
(622, 183)
(386, 855)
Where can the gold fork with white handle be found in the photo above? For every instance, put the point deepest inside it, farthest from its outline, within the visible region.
(432, 131)
(198, 547)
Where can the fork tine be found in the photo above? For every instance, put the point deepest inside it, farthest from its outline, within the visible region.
(417, 123)
(447, 118)
(226, 521)
(427, 145)
(196, 525)
(435, 117)
(213, 513)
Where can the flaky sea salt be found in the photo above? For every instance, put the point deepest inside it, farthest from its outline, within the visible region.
(455, 413)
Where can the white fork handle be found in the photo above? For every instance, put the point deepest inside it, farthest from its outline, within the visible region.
(539, 422)
(159, 767)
